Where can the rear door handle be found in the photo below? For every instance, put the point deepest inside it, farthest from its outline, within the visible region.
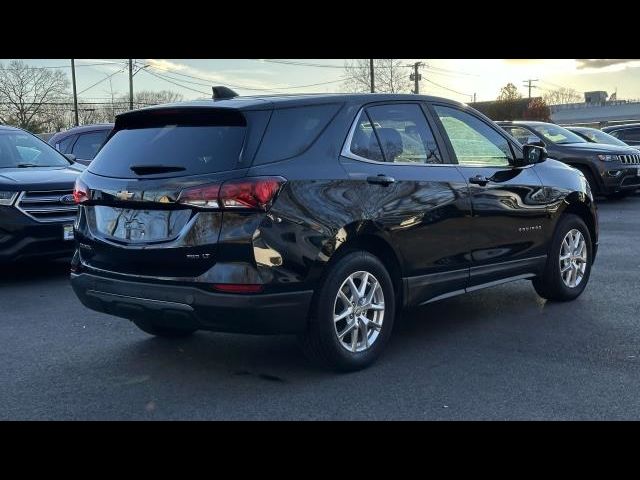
(381, 179)
(479, 180)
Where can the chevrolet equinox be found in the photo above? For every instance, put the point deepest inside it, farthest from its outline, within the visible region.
(321, 216)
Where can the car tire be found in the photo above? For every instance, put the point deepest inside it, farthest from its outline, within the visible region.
(163, 331)
(357, 340)
(553, 283)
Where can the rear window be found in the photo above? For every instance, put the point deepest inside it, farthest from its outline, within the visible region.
(195, 145)
(292, 130)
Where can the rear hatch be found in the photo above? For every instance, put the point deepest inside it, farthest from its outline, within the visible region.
(147, 199)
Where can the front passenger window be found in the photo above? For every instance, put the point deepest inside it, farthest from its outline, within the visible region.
(395, 133)
(473, 141)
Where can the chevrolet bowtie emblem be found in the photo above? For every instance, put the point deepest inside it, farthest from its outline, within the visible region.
(124, 195)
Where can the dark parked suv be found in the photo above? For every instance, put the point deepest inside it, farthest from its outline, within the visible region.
(611, 170)
(320, 215)
(629, 133)
(37, 208)
(81, 142)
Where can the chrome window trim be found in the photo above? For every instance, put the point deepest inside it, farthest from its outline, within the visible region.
(346, 147)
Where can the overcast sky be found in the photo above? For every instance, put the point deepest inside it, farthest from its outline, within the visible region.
(457, 79)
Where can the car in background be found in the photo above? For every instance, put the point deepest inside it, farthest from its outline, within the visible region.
(320, 215)
(81, 142)
(594, 135)
(45, 136)
(629, 133)
(37, 208)
(611, 170)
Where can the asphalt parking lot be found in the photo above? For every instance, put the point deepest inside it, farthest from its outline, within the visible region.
(501, 353)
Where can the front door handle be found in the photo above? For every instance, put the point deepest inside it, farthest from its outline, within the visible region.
(479, 180)
(381, 179)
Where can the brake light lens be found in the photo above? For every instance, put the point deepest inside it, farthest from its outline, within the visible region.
(204, 196)
(256, 193)
(80, 192)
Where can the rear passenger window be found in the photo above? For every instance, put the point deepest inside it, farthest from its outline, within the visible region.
(88, 144)
(292, 130)
(632, 134)
(63, 145)
(395, 133)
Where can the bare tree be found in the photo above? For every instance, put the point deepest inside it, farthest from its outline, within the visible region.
(142, 98)
(25, 93)
(562, 96)
(509, 93)
(389, 74)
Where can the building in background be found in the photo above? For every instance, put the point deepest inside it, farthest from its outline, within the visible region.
(597, 111)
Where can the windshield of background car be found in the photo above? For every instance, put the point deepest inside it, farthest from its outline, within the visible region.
(22, 150)
(601, 137)
(558, 135)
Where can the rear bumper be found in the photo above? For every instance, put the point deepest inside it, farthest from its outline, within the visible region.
(183, 305)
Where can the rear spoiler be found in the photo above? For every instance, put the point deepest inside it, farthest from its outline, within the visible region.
(180, 115)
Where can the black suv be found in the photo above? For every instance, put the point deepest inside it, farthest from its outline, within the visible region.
(611, 170)
(37, 208)
(629, 133)
(320, 215)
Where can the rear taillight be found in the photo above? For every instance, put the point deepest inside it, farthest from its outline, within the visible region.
(204, 196)
(80, 192)
(256, 193)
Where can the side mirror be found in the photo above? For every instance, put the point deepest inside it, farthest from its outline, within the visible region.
(532, 154)
(71, 156)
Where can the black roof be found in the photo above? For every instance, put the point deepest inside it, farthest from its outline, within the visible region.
(580, 129)
(87, 128)
(618, 127)
(264, 102)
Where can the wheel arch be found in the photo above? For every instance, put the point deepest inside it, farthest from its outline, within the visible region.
(365, 237)
(574, 204)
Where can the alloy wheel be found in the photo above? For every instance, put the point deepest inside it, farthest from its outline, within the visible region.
(358, 311)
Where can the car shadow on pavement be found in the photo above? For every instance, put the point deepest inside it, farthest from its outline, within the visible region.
(279, 359)
(27, 271)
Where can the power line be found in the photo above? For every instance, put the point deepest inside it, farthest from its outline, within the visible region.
(447, 88)
(297, 63)
(61, 66)
(560, 86)
(161, 77)
(103, 80)
(243, 87)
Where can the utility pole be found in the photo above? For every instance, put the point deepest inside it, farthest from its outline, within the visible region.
(75, 94)
(416, 77)
(130, 84)
(528, 83)
(371, 75)
(474, 97)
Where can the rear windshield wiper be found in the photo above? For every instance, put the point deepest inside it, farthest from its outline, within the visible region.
(151, 169)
